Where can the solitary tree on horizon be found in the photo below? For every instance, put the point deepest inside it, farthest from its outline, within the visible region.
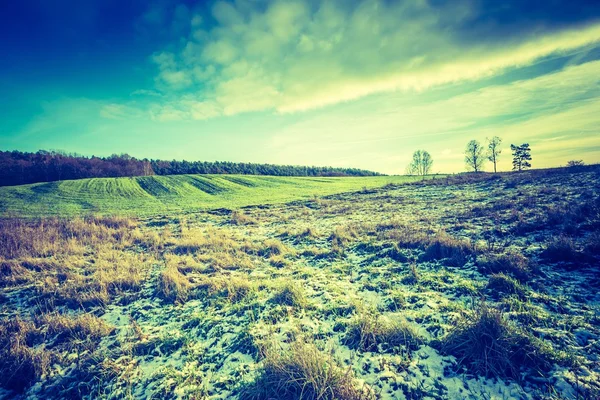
(521, 156)
(494, 150)
(420, 164)
(474, 156)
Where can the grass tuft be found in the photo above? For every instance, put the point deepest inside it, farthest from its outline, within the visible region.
(443, 246)
(290, 294)
(510, 263)
(369, 331)
(239, 218)
(273, 247)
(561, 249)
(503, 285)
(304, 372)
(172, 285)
(487, 344)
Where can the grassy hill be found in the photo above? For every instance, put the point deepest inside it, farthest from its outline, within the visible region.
(152, 195)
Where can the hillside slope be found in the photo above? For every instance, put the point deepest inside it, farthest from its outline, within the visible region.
(151, 195)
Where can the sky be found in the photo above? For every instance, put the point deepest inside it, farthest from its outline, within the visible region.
(333, 83)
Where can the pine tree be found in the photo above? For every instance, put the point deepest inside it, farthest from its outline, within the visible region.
(521, 156)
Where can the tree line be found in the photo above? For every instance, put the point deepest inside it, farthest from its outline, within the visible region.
(475, 156)
(18, 168)
(161, 167)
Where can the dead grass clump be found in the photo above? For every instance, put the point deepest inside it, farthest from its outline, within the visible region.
(342, 236)
(67, 328)
(172, 285)
(216, 247)
(20, 363)
(304, 372)
(186, 264)
(317, 252)
(503, 285)
(119, 271)
(82, 283)
(487, 344)
(149, 239)
(210, 240)
(561, 249)
(273, 247)
(239, 218)
(113, 221)
(369, 331)
(45, 237)
(290, 294)
(234, 288)
(74, 262)
(443, 246)
(510, 263)
(230, 261)
(13, 273)
(278, 262)
(309, 232)
(406, 236)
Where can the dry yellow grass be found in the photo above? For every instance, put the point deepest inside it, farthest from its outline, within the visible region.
(69, 328)
(28, 348)
(239, 218)
(304, 372)
(20, 363)
(289, 293)
(83, 262)
(368, 331)
(173, 285)
(234, 288)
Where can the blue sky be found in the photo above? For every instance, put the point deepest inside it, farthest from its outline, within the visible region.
(343, 83)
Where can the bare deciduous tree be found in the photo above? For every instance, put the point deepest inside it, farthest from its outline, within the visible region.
(494, 150)
(474, 156)
(420, 164)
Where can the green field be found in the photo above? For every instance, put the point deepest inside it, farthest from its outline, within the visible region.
(153, 195)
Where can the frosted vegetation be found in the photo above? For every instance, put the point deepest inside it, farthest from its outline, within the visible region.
(475, 286)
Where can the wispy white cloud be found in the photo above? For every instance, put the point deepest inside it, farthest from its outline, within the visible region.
(292, 56)
(119, 111)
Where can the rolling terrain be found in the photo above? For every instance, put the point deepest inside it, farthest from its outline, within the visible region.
(472, 287)
(154, 195)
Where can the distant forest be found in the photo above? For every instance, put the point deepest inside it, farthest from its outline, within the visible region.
(18, 168)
